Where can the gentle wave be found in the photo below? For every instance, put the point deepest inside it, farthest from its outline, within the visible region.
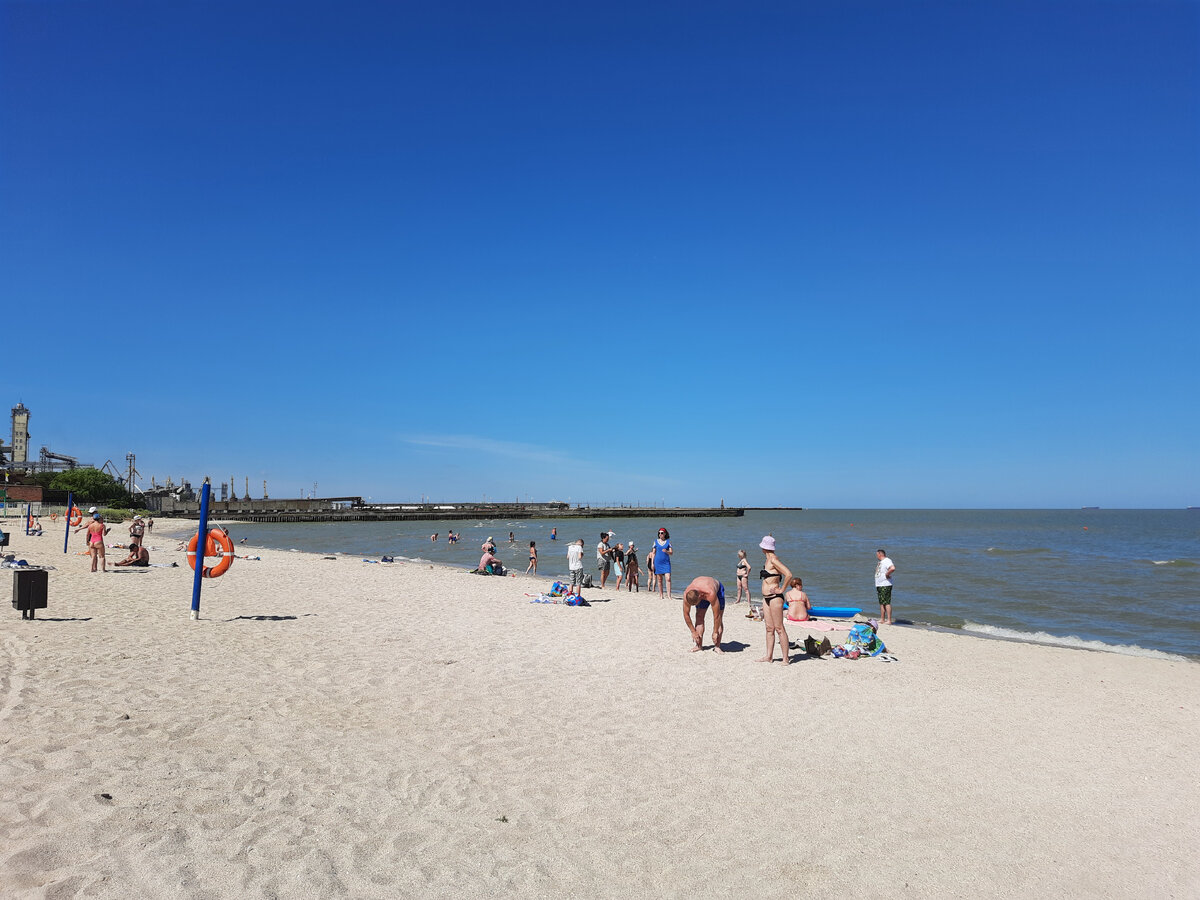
(1077, 643)
(1175, 563)
(1001, 551)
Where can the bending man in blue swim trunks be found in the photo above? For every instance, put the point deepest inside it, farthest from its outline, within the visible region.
(702, 593)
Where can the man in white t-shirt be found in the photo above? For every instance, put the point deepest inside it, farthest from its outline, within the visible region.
(883, 586)
(575, 565)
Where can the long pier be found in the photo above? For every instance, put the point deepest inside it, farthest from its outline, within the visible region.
(352, 509)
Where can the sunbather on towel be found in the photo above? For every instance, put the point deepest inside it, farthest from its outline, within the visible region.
(797, 601)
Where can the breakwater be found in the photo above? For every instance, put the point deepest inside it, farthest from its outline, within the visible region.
(352, 509)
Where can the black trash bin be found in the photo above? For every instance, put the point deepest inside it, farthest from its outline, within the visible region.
(29, 591)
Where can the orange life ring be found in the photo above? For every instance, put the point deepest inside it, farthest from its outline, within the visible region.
(217, 538)
(76, 515)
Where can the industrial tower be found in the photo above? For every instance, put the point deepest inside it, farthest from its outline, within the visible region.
(20, 433)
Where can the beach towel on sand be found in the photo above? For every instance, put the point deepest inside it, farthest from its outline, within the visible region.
(818, 626)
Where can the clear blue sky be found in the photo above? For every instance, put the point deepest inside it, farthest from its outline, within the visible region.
(839, 254)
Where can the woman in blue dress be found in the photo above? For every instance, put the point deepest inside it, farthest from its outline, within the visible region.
(662, 561)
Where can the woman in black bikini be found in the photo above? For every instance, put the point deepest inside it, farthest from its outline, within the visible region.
(743, 577)
(532, 558)
(774, 576)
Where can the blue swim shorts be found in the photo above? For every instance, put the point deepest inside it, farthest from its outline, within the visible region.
(704, 604)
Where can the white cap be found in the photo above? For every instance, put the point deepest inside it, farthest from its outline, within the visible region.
(91, 509)
(137, 517)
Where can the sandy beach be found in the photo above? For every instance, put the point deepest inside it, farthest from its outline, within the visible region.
(331, 727)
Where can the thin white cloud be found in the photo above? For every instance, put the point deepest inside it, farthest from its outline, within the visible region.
(588, 471)
(476, 444)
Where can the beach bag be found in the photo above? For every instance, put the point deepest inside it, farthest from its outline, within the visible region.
(813, 647)
(587, 581)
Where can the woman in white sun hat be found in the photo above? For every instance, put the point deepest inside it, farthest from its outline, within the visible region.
(775, 575)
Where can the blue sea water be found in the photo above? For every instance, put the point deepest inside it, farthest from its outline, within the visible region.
(1119, 580)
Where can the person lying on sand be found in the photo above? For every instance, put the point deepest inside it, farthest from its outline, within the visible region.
(702, 593)
(797, 601)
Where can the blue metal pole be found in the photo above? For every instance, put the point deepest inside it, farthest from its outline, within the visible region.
(201, 542)
(67, 519)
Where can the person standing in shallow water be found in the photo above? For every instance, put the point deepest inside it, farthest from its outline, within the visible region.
(774, 576)
(884, 570)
